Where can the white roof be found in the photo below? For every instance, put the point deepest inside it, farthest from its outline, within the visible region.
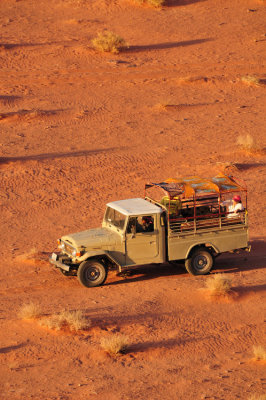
(135, 207)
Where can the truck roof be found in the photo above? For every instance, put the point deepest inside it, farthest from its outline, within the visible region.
(136, 206)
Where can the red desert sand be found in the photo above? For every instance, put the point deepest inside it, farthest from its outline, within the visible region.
(80, 128)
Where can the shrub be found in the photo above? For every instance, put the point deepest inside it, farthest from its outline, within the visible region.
(259, 353)
(32, 254)
(251, 80)
(74, 320)
(227, 167)
(108, 42)
(29, 311)
(257, 397)
(218, 285)
(51, 322)
(115, 344)
(153, 3)
(164, 105)
(246, 142)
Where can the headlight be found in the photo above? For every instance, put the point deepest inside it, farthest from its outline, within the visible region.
(62, 245)
(74, 253)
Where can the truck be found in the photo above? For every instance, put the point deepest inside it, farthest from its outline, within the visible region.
(191, 223)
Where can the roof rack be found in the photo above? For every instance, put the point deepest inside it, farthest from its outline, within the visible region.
(194, 186)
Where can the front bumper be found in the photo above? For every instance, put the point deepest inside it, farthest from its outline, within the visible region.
(54, 259)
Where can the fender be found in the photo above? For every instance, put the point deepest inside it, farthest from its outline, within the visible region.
(208, 244)
(91, 254)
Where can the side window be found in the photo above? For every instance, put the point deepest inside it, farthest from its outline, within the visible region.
(141, 224)
(145, 224)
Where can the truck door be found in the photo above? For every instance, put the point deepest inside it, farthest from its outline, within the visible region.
(142, 240)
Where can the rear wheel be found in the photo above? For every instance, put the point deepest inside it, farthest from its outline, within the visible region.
(200, 262)
(92, 273)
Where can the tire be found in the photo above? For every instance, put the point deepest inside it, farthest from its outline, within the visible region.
(92, 273)
(199, 263)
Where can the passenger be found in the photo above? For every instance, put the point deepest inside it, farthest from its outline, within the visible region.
(147, 224)
(233, 206)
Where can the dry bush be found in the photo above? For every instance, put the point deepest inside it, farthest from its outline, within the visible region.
(218, 285)
(257, 397)
(153, 3)
(74, 320)
(165, 105)
(247, 143)
(259, 353)
(109, 42)
(115, 344)
(29, 311)
(227, 167)
(251, 80)
(29, 255)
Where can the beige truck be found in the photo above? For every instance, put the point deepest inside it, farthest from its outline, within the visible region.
(191, 223)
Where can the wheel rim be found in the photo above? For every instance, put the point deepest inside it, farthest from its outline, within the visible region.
(200, 262)
(92, 273)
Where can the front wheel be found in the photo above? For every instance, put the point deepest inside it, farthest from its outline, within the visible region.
(92, 273)
(199, 263)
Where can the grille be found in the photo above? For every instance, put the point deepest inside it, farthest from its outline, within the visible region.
(68, 248)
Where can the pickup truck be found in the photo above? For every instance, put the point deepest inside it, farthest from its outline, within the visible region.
(194, 227)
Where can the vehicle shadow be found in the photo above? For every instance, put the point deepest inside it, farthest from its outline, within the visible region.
(147, 272)
(226, 263)
(163, 46)
(54, 156)
(245, 261)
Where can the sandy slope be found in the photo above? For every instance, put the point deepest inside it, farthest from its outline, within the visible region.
(78, 129)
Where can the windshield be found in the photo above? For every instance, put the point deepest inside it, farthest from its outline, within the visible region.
(115, 218)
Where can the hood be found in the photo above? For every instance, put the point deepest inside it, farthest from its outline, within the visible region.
(93, 238)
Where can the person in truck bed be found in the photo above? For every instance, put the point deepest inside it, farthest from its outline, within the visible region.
(233, 206)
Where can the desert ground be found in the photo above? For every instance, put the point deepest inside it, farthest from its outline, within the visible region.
(80, 128)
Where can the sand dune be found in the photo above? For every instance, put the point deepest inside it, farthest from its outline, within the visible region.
(81, 128)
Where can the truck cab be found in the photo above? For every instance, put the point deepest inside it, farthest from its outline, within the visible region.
(142, 241)
(132, 233)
